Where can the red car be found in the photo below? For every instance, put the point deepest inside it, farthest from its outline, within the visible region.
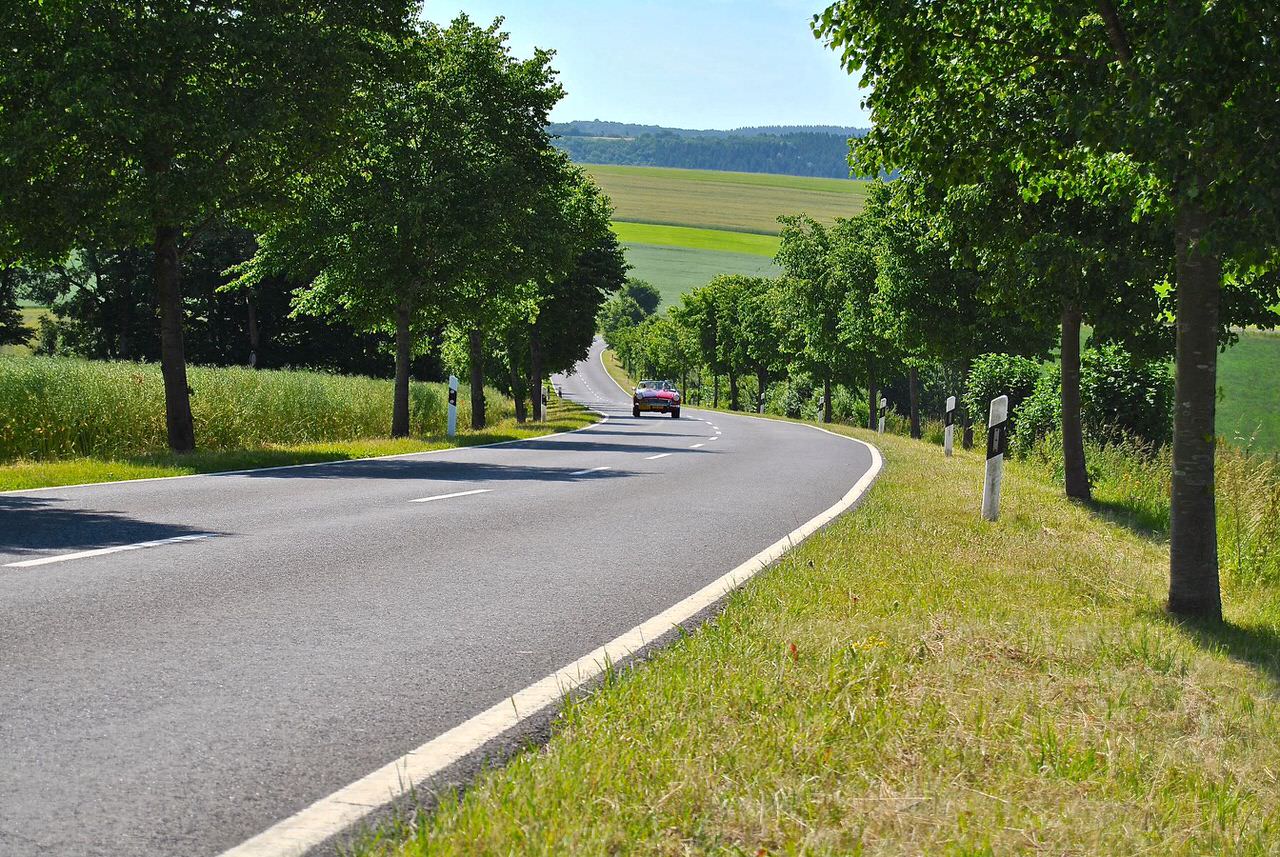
(660, 396)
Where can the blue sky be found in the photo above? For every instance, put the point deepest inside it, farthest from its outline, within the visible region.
(692, 64)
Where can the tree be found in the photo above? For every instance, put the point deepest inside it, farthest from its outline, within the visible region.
(571, 292)
(433, 196)
(1186, 92)
(136, 123)
(644, 294)
(815, 302)
(13, 331)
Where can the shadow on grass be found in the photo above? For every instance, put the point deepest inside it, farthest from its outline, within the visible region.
(1135, 517)
(1257, 646)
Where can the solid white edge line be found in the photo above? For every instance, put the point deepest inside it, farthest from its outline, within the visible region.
(331, 815)
(604, 418)
(449, 496)
(65, 557)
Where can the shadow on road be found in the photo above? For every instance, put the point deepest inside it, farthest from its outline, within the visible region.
(443, 471)
(37, 524)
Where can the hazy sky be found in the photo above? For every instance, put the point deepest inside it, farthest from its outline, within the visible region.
(691, 64)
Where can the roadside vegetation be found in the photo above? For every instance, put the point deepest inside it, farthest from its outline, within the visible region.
(65, 421)
(912, 679)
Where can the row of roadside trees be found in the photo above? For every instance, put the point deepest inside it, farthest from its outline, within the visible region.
(397, 175)
(969, 287)
(1096, 162)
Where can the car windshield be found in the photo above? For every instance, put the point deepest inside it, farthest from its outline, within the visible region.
(654, 385)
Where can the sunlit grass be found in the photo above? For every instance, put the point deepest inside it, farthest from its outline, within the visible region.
(912, 680)
(29, 473)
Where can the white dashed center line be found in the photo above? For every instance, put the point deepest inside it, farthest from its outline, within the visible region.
(656, 457)
(698, 446)
(712, 438)
(46, 560)
(454, 494)
(588, 470)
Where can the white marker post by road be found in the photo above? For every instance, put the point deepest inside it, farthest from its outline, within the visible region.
(997, 445)
(453, 405)
(949, 425)
(884, 409)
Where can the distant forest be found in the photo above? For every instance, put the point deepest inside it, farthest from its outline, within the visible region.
(819, 150)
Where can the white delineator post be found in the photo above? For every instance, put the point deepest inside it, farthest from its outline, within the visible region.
(949, 425)
(997, 444)
(453, 406)
(884, 408)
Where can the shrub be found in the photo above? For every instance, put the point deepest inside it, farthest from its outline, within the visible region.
(993, 375)
(1124, 396)
(1120, 398)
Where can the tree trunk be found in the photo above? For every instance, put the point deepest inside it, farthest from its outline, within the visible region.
(913, 389)
(762, 382)
(826, 400)
(535, 374)
(517, 387)
(404, 348)
(715, 391)
(1073, 465)
(475, 362)
(966, 440)
(734, 404)
(173, 360)
(873, 399)
(1193, 537)
(253, 330)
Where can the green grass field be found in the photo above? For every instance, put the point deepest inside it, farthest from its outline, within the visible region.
(676, 270)
(735, 202)
(1249, 378)
(717, 240)
(912, 680)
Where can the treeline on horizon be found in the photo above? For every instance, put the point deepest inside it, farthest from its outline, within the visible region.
(818, 151)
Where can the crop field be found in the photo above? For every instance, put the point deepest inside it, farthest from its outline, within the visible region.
(676, 270)
(736, 202)
(59, 408)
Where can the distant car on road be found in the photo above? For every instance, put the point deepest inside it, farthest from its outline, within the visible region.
(660, 396)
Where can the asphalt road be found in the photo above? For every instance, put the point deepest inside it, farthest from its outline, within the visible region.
(182, 697)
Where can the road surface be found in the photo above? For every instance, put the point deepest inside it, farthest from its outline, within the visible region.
(295, 629)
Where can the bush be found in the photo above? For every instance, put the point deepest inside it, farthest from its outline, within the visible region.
(995, 375)
(1120, 398)
(1124, 396)
(53, 407)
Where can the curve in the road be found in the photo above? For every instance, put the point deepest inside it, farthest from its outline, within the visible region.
(184, 696)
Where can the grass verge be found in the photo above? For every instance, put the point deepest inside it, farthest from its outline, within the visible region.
(913, 680)
(562, 415)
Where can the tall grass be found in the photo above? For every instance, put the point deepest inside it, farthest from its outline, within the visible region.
(53, 408)
(1133, 480)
